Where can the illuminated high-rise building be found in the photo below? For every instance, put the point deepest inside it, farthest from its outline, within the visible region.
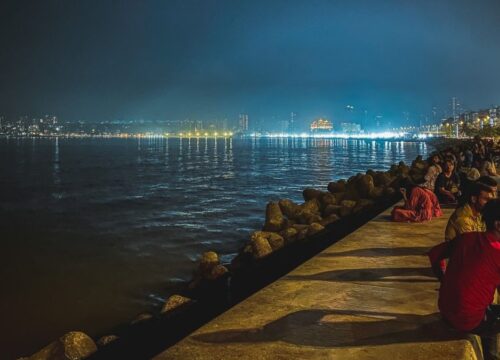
(243, 122)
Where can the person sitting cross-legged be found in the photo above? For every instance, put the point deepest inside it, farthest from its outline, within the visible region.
(471, 278)
(447, 186)
(421, 204)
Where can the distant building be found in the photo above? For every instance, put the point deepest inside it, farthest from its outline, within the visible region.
(243, 122)
(321, 126)
(350, 128)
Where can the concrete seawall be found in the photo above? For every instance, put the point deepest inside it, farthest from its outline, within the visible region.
(369, 296)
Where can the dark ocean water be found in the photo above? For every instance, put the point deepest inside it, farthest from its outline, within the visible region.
(95, 231)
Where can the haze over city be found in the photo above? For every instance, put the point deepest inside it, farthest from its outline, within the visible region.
(204, 60)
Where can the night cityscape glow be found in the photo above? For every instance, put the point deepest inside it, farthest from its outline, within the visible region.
(235, 179)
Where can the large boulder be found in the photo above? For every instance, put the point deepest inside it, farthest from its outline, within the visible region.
(217, 272)
(365, 185)
(329, 219)
(376, 192)
(274, 239)
(347, 207)
(310, 194)
(289, 234)
(328, 199)
(142, 317)
(274, 217)
(208, 260)
(74, 345)
(335, 187)
(314, 228)
(331, 209)
(106, 339)
(175, 302)
(311, 206)
(339, 197)
(260, 247)
(382, 179)
(289, 208)
(389, 192)
(362, 205)
(307, 217)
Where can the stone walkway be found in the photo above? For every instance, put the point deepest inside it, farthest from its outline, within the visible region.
(369, 296)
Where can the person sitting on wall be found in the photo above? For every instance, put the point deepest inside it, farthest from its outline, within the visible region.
(467, 218)
(421, 204)
(473, 274)
(447, 186)
(433, 172)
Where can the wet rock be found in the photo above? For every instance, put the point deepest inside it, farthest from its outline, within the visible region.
(300, 227)
(208, 260)
(370, 172)
(389, 191)
(74, 345)
(289, 208)
(105, 340)
(332, 209)
(339, 197)
(376, 192)
(142, 317)
(302, 235)
(311, 206)
(365, 185)
(217, 272)
(260, 247)
(275, 240)
(382, 179)
(351, 192)
(174, 302)
(307, 217)
(363, 205)
(289, 234)
(328, 199)
(274, 217)
(335, 187)
(329, 219)
(314, 228)
(347, 207)
(310, 194)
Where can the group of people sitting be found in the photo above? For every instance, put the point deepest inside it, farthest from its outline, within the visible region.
(468, 262)
(447, 177)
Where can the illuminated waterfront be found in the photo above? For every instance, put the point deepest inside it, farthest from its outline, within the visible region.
(98, 230)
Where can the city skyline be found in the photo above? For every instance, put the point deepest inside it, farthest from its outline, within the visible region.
(217, 59)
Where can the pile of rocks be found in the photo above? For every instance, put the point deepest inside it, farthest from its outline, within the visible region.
(288, 222)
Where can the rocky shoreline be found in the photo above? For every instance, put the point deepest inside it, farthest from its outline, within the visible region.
(292, 233)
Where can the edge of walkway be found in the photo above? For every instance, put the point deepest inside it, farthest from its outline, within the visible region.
(369, 296)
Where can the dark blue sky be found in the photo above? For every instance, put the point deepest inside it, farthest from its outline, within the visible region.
(204, 59)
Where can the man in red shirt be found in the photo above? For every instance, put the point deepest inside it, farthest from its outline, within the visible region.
(473, 274)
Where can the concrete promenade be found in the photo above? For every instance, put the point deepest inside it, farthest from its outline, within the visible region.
(369, 296)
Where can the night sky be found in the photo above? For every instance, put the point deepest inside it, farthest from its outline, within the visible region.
(105, 60)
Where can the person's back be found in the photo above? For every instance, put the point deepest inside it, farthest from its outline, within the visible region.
(469, 284)
(472, 276)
